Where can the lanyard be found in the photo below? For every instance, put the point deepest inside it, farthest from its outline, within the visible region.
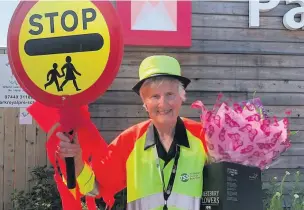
(167, 192)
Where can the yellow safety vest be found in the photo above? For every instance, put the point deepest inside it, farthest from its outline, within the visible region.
(144, 177)
(144, 183)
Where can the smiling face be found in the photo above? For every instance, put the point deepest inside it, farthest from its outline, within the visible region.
(162, 100)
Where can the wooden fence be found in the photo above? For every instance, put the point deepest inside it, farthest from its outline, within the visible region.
(22, 147)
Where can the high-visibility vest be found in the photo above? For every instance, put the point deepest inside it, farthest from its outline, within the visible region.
(144, 183)
(132, 162)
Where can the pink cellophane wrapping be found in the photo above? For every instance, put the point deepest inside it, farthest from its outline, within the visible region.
(242, 134)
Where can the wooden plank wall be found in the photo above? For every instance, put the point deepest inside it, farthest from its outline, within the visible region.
(226, 56)
(22, 147)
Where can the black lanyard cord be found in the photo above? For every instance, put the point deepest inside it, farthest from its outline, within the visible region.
(167, 192)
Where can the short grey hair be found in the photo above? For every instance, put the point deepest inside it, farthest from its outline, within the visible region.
(156, 81)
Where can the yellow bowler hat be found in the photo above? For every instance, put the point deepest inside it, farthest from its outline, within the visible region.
(159, 65)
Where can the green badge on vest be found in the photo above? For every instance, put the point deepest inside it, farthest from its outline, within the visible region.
(185, 177)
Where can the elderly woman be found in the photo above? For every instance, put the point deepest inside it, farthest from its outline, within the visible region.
(160, 160)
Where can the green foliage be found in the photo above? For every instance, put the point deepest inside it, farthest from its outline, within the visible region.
(43, 195)
(276, 195)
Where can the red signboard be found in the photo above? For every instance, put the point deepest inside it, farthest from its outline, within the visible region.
(156, 22)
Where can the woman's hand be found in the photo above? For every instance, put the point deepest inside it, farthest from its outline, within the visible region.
(68, 149)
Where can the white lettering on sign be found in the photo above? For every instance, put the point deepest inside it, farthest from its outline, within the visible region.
(211, 193)
(289, 18)
(255, 7)
(211, 200)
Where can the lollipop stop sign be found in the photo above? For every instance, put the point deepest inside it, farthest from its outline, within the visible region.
(65, 54)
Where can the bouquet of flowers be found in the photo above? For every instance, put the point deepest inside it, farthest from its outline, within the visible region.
(243, 133)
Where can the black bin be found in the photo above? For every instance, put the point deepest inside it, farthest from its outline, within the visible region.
(231, 186)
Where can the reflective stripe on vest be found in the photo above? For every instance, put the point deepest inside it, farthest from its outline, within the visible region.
(175, 200)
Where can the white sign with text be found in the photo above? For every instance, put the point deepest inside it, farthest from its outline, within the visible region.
(11, 94)
(24, 117)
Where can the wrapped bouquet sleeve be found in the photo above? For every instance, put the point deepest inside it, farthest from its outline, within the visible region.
(243, 133)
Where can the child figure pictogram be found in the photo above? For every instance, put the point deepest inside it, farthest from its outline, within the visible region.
(69, 75)
(52, 77)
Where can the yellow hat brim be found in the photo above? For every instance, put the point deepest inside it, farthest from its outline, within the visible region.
(185, 81)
